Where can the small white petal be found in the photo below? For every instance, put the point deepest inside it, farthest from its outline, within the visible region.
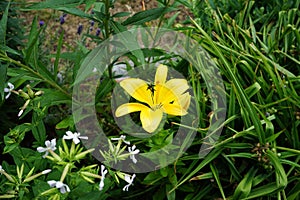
(84, 137)
(46, 171)
(129, 179)
(125, 188)
(69, 135)
(122, 137)
(20, 113)
(10, 85)
(101, 184)
(76, 140)
(52, 183)
(7, 96)
(47, 143)
(41, 149)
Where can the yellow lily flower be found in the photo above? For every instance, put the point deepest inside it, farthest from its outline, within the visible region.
(160, 97)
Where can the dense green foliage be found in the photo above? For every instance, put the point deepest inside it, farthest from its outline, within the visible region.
(254, 44)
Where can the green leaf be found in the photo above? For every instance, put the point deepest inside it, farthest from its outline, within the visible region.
(22, 74)
(253, 89)
(216, 175)
(211, 156)
(294, 192)
(9, 50)
(244, 187)
(281, 177)
(146, 16)
(31, 51)
(74, 11)
(117, 27)
(3, 72)
(171, 195)
(38, 128)
(15, 137)
(54, 4)
(152, 178)
(53, 97)
(3, 26)
(121, 14)
(65, 123)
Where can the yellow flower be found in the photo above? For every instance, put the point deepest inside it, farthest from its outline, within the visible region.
(160, 97)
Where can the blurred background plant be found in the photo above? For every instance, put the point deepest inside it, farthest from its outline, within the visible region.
(254, 44)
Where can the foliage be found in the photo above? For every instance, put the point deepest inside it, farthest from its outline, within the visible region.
(255, 45)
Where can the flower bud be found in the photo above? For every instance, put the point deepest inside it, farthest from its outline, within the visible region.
(30, 92)
(23, 94)
(83, 154)
(38, 93)
(90, 174)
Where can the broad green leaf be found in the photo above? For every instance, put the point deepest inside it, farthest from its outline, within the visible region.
(65, 123)
(121, 14)
(264, 190)
(146, 16)
(52, 97)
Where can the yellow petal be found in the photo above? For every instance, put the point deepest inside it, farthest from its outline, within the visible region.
(165, 96)
(138, 89)
(174, 109)
(151, 119)
(185, 100)
(177, 85)
(129, 108)
(161, 74)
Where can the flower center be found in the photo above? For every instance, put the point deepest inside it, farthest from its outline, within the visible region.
(156, 107)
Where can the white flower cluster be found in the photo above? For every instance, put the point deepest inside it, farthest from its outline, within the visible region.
(132, 150)
(75, 137)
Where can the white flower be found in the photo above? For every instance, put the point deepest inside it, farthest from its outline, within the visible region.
(74, 136)
(122, 137)
(133, 151)
(63, 188)
(103, 173)
(49, 146)
(9, 89)
(129, 180)
(1, 169)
